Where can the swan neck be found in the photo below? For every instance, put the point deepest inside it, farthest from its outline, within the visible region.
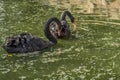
(67, 13)
(48, 34)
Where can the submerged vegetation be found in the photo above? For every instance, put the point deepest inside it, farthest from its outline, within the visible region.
(91, 53)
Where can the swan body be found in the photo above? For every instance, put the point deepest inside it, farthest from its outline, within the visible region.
(25, 42)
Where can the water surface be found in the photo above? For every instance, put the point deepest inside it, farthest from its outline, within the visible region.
(91, 53)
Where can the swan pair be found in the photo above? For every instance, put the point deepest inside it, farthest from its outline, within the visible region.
(54, 28)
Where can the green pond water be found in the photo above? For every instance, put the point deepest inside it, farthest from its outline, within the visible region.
(91, 53)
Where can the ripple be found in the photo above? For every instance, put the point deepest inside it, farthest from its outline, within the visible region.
(22, 77)
(4, 70)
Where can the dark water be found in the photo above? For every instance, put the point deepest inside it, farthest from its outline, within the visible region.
(92, 53)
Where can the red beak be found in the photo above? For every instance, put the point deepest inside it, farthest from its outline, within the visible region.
(59, 32)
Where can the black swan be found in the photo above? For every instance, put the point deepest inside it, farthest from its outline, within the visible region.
(24, 42)
(65, 29)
